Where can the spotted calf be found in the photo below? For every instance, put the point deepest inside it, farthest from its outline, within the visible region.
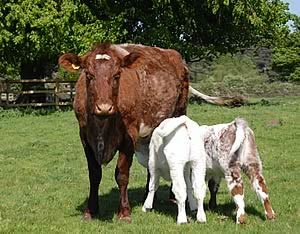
(230, 149)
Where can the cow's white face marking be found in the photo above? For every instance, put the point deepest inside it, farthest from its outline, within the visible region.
(144, 130)
(103, 56)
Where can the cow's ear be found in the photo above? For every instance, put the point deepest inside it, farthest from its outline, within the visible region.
(130, 59)
(70, 62)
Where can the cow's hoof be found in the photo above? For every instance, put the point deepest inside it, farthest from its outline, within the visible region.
(87, 215)
(126, 219)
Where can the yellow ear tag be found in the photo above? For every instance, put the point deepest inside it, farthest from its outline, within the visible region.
(75, 67)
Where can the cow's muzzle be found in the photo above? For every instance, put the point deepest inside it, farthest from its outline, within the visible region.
(104, 109)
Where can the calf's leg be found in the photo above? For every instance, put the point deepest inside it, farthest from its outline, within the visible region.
(213, 185)
(187, 176)
(179, 189)
(153, 186)
(259, 185)
(236, 188)
(199, 187)
(253, 169)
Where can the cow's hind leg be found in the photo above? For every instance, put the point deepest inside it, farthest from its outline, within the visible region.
(213, 185)
(253, 171)
(95, 174)
(236, 188)
(122, 177)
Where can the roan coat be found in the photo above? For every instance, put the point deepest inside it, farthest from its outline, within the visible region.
(122, 94)
(230, 149)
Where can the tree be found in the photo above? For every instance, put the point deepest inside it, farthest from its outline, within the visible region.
(286, 56)
(198, 28)
(34, 32)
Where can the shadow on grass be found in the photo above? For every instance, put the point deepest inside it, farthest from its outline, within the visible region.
(229, 210)
(109, 205)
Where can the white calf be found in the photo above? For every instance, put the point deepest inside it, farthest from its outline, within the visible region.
(231, 148)
(174, 154)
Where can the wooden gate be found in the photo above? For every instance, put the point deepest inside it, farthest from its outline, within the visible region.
(35, 93)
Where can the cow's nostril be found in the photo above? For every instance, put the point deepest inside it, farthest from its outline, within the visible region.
(110, 109)
(98, 108)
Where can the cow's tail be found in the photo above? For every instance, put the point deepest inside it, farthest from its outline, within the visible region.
(170, 125)
(241, 126)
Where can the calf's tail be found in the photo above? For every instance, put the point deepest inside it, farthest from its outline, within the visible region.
(170, 125)
(241, 126)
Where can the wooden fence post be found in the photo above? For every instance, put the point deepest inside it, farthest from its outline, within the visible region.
(55, 94)
(7, 89)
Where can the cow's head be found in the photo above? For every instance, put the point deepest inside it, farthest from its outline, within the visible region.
(102, 68)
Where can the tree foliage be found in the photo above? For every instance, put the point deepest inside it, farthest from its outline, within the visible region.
(34, 32)
(286, 56)
(198, 27)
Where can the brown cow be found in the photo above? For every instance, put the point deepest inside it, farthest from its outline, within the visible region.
(122, 94)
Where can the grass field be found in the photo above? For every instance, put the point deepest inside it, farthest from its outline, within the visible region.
(44, 183)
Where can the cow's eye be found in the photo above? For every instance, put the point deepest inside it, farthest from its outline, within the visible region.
(116, 79)
(89, 76)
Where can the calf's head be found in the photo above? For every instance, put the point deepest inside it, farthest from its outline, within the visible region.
(102, 69)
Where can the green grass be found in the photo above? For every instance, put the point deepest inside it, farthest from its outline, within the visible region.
(44, 182)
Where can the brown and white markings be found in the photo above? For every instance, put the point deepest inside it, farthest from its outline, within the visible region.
(230, 149)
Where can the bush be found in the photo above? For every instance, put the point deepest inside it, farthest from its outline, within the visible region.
(286, 58)
(236, 75)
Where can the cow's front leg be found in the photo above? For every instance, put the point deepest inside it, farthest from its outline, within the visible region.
(236, 188)
(122, 178)
(95, 174)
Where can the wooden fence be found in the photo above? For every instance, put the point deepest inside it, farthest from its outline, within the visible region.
(36, 93)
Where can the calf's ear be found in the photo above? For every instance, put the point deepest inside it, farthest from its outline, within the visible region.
(70, 62)
(130, 59)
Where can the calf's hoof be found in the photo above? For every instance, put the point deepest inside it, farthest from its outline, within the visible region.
(179, 222)
(242, 219)
(201, 220)
(270, 216)
(212, 205)
(144, 209)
